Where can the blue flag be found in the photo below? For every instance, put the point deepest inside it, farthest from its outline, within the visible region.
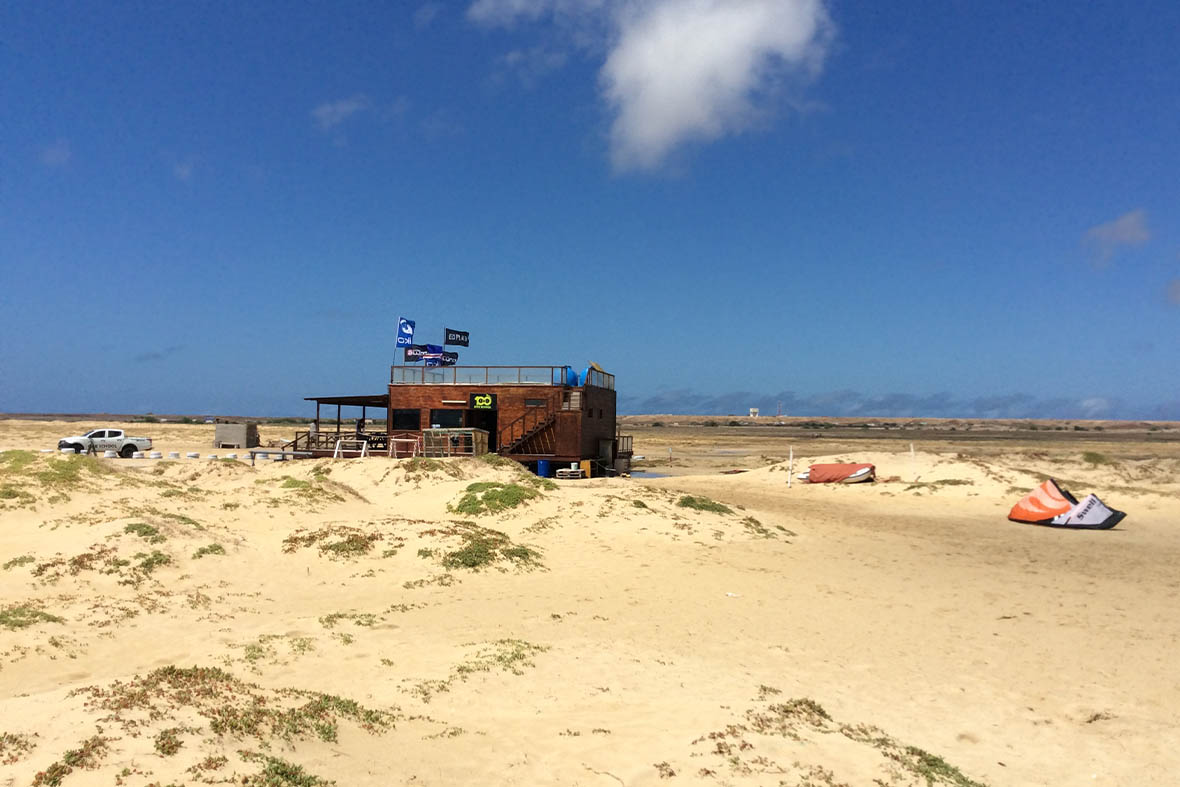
(405, 332)
(436, 356)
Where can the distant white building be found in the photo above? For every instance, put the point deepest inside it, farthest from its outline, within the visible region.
(753, 412)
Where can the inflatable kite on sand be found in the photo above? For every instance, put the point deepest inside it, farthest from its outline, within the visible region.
(1051, 505)
(844, 473)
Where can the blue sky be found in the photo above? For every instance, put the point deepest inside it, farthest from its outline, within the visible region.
(931, 209)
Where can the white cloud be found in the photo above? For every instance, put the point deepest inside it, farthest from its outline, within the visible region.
(395, 110)
(57, 154)
(426, 14)
(678, 71)
(331, 114)
(1096, 407)
(440, 124)
(686, 70)
(533, 64)
(1128, 230)
(1174, 292)
(506, 13)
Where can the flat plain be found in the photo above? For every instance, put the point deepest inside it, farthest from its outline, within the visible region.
(447, 622)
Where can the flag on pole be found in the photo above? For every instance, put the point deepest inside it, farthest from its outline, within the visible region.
(440, 358)
(405, 332)
(415, 352)
(457, 338)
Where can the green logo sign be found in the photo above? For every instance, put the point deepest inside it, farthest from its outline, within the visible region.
(483, 401)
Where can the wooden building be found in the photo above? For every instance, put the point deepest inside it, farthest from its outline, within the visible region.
(531, 414)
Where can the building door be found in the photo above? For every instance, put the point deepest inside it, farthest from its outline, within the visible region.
(486, 420)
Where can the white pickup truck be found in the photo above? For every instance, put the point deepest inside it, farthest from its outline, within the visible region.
(106, 440)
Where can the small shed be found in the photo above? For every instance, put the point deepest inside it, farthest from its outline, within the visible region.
(236, 435)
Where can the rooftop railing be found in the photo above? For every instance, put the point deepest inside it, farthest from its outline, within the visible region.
(600, 379)
(494, 375)
(478, 375)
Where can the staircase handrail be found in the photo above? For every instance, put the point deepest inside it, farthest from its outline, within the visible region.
(533, 418)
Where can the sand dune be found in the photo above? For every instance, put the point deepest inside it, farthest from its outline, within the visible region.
(387, 622)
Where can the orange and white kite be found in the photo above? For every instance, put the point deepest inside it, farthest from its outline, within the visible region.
(1051, 505)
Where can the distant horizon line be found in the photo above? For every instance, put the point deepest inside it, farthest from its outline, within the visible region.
(765, 419)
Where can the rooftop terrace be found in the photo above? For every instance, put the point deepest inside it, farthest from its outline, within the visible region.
(500, 375)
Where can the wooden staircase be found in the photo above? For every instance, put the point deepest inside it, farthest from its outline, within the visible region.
(530, 434)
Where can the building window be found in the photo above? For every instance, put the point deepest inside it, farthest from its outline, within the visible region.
(534, 402)
(406, 420)
(446, 419)
(599, 412)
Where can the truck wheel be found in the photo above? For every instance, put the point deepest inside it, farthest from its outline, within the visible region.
(78, 449)
(126, 451)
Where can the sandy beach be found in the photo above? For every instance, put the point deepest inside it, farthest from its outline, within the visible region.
(449, 622)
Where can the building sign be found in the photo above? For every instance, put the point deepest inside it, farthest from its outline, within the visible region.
(482, 401)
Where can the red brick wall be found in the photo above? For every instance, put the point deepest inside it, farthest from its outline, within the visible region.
(509, 399)
(578, 432)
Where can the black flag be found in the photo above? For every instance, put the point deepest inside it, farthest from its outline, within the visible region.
(457, 338)
(441, 359)
(415, 352)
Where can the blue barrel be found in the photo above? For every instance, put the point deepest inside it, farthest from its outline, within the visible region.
(543, 468)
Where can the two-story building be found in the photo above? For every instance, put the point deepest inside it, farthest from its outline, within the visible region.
(532, 414)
